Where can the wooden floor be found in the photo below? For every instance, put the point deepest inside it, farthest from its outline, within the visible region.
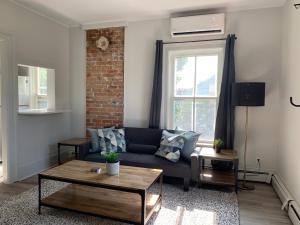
(260, 207)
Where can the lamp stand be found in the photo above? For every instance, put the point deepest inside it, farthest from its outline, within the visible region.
(245, 186)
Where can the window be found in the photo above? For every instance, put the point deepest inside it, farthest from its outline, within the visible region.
(42, 98)
(194, 90)
(36, 86)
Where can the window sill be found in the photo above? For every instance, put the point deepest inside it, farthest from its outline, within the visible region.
(201, 144)
(33, 112)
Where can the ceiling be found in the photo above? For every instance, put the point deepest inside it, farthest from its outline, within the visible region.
(83, 12)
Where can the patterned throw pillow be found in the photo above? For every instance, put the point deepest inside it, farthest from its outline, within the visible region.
(112, 140)
(97, 141)
(170, 146)
(190, 141)
(120, 137)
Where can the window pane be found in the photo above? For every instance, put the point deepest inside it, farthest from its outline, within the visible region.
(206, 75)
(184, 76)
(42, 81)
(205, 118)
(183, 114)
(42, 103)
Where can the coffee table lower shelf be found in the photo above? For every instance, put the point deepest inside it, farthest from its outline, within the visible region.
(122, 206)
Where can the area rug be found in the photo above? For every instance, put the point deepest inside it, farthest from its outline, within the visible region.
(196, 207)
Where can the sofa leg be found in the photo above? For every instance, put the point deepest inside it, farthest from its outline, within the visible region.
(186, 184)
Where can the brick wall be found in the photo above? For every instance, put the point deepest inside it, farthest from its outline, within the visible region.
(105, 79)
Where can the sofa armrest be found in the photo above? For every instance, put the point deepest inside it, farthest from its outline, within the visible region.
(195, 164)
(84, 150)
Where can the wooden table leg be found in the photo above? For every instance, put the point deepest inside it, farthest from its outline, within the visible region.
(76, 151)
(236, 174)
(58, 153)
(40, 195)
(200, 171)
(143, 207)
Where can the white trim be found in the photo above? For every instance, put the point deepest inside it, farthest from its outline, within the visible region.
(9, 109)
(34, 112)
(99, 25)
(171, 51)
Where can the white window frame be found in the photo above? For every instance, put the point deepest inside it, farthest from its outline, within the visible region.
(169, 81)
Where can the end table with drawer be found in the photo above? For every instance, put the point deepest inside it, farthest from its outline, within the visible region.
(73, 142)
(217, 177)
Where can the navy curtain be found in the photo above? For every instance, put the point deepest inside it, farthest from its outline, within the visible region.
(225, 115)
(154, 120)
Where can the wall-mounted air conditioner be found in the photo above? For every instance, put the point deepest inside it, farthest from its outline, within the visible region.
(210, 24)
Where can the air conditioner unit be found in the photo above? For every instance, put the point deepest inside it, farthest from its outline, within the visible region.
(210, 24)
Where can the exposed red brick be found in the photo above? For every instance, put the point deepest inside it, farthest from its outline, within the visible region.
(105, 79)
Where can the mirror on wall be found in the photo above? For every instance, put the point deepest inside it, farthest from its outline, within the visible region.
(36, 88)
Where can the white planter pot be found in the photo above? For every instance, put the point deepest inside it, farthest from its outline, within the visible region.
(113, 168)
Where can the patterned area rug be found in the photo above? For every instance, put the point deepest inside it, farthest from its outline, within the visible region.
(196, 207)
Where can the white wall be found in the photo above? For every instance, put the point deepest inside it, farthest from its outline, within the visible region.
(258, 55)
(288, 152)
(39, 42)
(78, 81)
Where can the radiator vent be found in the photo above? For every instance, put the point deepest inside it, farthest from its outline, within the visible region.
(293, 212)
(287, 200)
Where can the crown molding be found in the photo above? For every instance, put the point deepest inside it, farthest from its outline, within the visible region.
(99, 25)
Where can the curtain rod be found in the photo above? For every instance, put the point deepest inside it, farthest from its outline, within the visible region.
(180, 42)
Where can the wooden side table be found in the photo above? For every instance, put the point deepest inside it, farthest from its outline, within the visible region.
(75, 142)
(217, 177)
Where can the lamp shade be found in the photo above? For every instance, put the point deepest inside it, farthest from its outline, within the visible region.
(248, 94)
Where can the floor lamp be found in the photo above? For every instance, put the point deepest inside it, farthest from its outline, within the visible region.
(249, 95)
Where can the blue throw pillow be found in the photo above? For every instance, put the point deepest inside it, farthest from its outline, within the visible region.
(190, 142)
(94, 140)
(170, 146)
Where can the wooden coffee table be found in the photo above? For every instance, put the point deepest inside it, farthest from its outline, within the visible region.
(124, 197)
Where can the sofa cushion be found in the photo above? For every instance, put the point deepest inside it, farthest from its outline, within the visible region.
(145, 136)
(170, 146)
(140, 148)
(179, 169)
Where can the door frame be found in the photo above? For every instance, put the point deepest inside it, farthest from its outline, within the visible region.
(9, 109)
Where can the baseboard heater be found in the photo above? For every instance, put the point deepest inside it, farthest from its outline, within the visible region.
(288, 203)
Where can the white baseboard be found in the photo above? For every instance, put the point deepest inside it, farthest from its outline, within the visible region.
(255, 177)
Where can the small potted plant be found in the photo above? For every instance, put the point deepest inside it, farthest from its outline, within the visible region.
(218, 145)
(112, 163)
